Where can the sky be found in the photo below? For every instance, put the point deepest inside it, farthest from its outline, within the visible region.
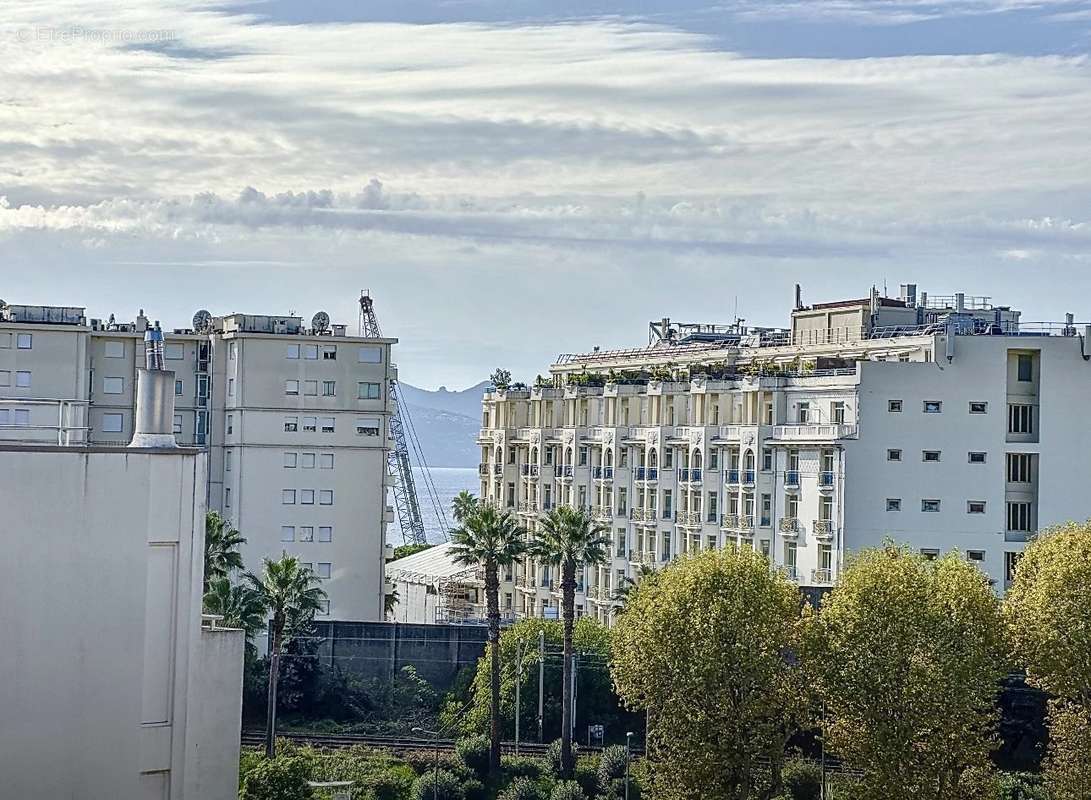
(515, 179)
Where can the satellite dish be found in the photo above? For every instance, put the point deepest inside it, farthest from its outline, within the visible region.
(320, 321)
(202, 321)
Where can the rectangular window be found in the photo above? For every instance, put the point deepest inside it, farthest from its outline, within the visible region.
(1026, 367)
(930, 455)
(5, 341)
(174, 351)
(369, 354)
(306, 497)
(583, 457)
(177, 423)
(930, 506)
(1011, 562)
(766, 510)
(327, 424)
(329, 388)
(306, 533)
(22, 379)
(893, 504)
(113, 385)
(24, 341)
(230, 427)
(1019, 517)
(804, 413)
(837, 413)
(310, 424)
(290, 460)
(366, 390)
(368, 426)
(668, 504)
(975, 507)
(310, 352)
(291, 424)
(975, 555)
(324, 569)
(5, 377)
(112, 348)
(230, 387)
(308, 461)
(292, 352)
(714, 459)
(325, 497)
(178, 389)
(325, 461)
(894, 406)
(1019, 467)
(929, 553)
(310, 388)
(291, 387)
(977, 458)
(894, 455)
(329, 352)
(979, 407)
(287, 497)
(227, 497)
(767, 460)
(287, 533)
(933, 407)
(325, 533)
(113, 423)
(1020, 418)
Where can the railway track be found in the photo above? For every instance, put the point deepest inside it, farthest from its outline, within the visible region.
(337, 741)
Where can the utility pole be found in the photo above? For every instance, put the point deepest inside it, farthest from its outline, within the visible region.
(628, 748)
(520, 655)
(575, 669)
(541, 680)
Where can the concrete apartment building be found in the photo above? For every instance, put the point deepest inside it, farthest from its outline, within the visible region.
(114, 686)
(945, 423)
(294, 420)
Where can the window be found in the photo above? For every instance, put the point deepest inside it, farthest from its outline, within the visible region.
(804, 413)
(310, 352)
(325, 461)
(327, 424)
(766, 510)
(310, 424)
(976, 458)
(306, 497)
(930, 455)
(1020, 418)
(893, 504)
(1019, 517)
(306, 533)
(113, 349)
(329, 352)
(178, 426)
(24, 341)
(1025, 367)
(324, 569)
(308, 461)
(1019, 467)
(291, 424)
(178, 389)
(15, 416)
(368, 391)
(325, 497)
(668, 503)
(368, 426)
(329, 388)
(668, 458)
(975, 507)
(293, 352)
(230, 387)
(894, 455)
(227, 497)
(5, 341)
(287, 497)
(933, 407)
(291, 387)
(232, 350)
(714, 458)
(231, 423)
(929, 553)
(583, 456)
(22, 379)
(369, 354)
(310, 388)
(979, 407)
(975, 555)
(894, 406)
(1011, 562)
(290, 460)
(113, 423)
(325, 533)
(837, 412)
(287, 533)
(113, 385)
(930, 506)
(174, 351)
(767, 460)
(5, 377)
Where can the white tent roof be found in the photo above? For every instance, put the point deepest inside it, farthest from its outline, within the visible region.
(427, 566)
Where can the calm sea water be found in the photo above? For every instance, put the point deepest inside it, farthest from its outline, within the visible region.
(449, 481)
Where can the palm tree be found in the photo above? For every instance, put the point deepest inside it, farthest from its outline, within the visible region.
(390, 602)
(569, 539)
(626, 585)
(489, 538)
(463, 506)
(221, 548)
(239, 605)
(291, 595)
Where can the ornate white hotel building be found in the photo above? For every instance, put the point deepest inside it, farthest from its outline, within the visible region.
(945, 423)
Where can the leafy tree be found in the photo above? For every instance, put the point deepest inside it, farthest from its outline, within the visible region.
(221, 548)
(569, 539)
(278, 779)
(1049, 626)
(463, 506)
(490, 539)
(909, 655)
(239, 605)
(403, 550)
(501, 378)
(291, 596)
(707, 650)
(438, 785)
(626, 585)
(474, 752)
(390, 603)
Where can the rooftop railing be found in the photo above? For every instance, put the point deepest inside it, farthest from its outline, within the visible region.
(39, 420)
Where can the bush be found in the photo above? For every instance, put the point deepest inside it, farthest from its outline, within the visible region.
(522, 789)
(474, 789)
(612, 764)
(802, 780)
(391, 783)
(522, 766)
(567, 790)
(1022, 786)
(587, 774)
(283, 778)
(424, 761)
(615, 789)
(474, 753)
(438, 786)
(553, 755)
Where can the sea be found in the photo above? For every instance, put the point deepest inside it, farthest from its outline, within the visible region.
(449, 481)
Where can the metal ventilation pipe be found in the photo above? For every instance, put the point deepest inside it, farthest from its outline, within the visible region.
(154, 425)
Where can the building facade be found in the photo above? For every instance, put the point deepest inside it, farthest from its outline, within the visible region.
(942, 423)
(294, 419)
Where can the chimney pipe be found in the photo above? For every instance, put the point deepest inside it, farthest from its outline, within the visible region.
(154, 426)
(799, 297)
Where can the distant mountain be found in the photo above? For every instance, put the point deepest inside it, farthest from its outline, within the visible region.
(446, 423)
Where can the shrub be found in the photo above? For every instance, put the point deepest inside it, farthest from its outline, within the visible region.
(283, 778)
(802, 780)
(615, 790)
(391, 783)
(567, 790)
(612, 764)
(587, 774)
(474, 753)
(553, 755)
(422, 761)
(1022, 786)
(522, 766)
(474, 789)
(437, 786)
(522, 789)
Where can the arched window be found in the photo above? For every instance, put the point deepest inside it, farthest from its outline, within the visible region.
(568, 456)
(608, 458)
(695, 462)
(653, 459)
(534, 455)
(749, 460)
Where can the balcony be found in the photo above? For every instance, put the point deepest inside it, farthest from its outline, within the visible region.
(791, 479)
(748, 477)
(527, 507)
(745, 525)
(823, 529)
(483, 470)
(689, 476)
(789, 526)
(497, 469)
(602, 512)
(688, 519)
(567, 471)
(814, 433)
(643, 515)
(822, 577)
(647, 474)
(729, 521)
(529, 470)
(603, 473)
(790, 572)
(825, 479)
(732, 478)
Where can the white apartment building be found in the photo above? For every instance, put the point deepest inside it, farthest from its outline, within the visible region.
(945, 423)
(114, 685)
(295, 421)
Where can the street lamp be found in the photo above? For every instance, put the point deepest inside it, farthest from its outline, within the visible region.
(435, 774)
(628, 747)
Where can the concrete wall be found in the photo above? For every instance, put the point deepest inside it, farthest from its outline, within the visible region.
(214, 723)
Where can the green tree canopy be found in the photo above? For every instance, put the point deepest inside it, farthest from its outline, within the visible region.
(221, 548)
(909, 654)
(707, 648)
(239, 605)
